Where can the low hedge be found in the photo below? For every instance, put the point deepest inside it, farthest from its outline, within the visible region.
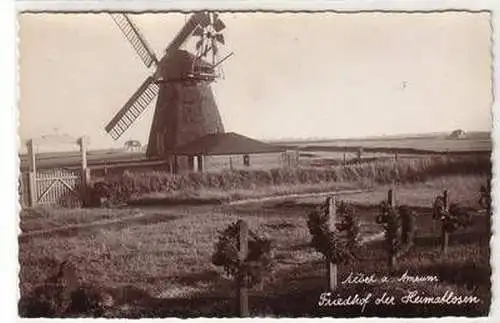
(123, 187)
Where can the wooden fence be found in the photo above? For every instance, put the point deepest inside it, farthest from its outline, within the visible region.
(58, 187)
(55, 186)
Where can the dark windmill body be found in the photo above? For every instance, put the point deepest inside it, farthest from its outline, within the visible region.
(185, 106)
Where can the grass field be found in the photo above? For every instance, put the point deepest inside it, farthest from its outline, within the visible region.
(154, 255)
(440, 142)
(165, 251)
(434, 143)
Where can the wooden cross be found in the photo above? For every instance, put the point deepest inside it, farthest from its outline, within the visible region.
(243, 253)
(331, 267)
(445, 236)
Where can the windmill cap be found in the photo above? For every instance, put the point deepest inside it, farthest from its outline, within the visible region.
(181, 62)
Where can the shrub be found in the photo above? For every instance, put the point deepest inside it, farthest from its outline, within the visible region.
(257, 263)
(452, 218)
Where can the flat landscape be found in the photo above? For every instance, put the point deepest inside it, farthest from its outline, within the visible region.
(159, 254)
(167, 252)
(438, 142)
(428, 144)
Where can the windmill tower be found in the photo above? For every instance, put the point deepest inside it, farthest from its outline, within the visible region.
(185, 107)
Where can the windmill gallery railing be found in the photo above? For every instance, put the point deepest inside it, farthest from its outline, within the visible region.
(57, 186)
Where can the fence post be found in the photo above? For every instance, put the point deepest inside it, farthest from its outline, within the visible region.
(392, 203)
(488, 197)
(243, 252)
(390, 198)
(85, 172)
(444, 232)
(32, 173)
(360, 154)
(331, 267)
(201, 163)
(488, 204)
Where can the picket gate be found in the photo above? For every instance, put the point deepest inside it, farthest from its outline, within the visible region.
(57, 186)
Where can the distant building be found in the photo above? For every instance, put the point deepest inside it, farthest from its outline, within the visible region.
(225, 151)
(458, 134)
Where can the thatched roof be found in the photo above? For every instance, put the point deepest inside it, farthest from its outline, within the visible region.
(226, 144)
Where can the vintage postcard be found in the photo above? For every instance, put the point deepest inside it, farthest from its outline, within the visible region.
(214, 163)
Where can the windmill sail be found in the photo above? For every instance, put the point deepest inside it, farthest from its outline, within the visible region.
(133, 108)
(195, 20)
(135, 38)
(185, 105)
(218, 23)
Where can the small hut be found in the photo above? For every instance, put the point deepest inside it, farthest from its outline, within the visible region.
(133, 146)
(224, 151)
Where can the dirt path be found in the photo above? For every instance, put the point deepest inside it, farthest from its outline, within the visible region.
(141, 218)
(148, 217)
(298, 195)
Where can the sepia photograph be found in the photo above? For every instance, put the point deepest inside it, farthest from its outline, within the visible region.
(255, 164)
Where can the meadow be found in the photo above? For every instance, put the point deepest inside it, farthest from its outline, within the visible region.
(419, 144)
(156, 258)
(373, 147)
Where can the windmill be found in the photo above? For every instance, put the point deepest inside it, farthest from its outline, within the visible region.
(185, 107)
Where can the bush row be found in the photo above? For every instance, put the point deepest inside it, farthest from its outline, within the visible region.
(134, 184)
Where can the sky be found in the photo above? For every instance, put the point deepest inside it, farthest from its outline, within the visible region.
(292, 75)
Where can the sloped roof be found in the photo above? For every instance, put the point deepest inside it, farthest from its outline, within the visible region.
(226, 144)
(180, 62)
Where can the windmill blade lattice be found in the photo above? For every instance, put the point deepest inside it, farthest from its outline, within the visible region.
(131, 32)
(133, 108)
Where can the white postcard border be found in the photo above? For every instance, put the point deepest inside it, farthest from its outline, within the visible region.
(9, 95)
